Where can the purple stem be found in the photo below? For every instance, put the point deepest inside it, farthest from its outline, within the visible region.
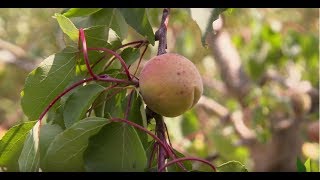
(116, 55)
(85, 53)
(186, 159)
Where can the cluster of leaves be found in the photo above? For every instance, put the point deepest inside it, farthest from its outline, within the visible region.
(78, 134)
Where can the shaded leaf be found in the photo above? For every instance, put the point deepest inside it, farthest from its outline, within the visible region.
(232, 166)
(79, 102)
(176, 168)
(44, 83)
(137, 18)
(47, 134)
(116, 147)
(130, 55)
(119, 24)
(11, 145)
(29, 160)
(76, 12)
(300, 166)
(68, 27)
(66, 150)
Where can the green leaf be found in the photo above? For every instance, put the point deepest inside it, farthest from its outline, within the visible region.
(11, 145)
(232, 166)
(300, 166)
(67, 27)
(113, 105)
(76, 12)
(78, 103)
(116, 147)
(307, 164)
(119, 24)
(103, 17)
(204, 17)
(137, 18)
(66, 150)
(29, 160)
(46, 82)
(47, 134)
(130, 55)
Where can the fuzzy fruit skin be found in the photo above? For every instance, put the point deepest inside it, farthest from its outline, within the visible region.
(170, 84)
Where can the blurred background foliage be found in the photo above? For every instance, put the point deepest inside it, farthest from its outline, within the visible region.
(285, 41)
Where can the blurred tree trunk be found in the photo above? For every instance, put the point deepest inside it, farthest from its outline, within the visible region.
(284, 146)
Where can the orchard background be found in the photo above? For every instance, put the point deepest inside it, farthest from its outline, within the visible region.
(260, 70)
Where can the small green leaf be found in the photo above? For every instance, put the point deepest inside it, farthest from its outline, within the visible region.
(137, 18)
(116, 147)
(78, 103)
(67, 27)
(11, 145)
(97, 36)
(130, 55)
(307, 164)
(232, 166)
(66, 150)
(76, 12)
(29, 160)
(113, 105)
(204, 17)
(47, 81)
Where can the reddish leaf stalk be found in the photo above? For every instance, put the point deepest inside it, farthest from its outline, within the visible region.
(186, 159)
(85, 53)
(153, 152)
(116, 55)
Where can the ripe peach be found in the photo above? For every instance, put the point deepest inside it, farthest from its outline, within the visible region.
(170, 84)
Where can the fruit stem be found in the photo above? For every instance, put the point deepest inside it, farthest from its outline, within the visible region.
(161, 33)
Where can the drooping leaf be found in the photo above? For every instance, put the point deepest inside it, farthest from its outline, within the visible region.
(67, 27)
(116, 147)
(76, 12)
(66, 150)
(137, 18)
(78, 103)
(204, 18)
(176, 168)
(232, 166)
(11, 145)
(130, 55)
(136, 116)
(44, 83)
(29, 160)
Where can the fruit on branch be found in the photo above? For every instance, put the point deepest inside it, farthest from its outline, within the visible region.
(170, 84)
